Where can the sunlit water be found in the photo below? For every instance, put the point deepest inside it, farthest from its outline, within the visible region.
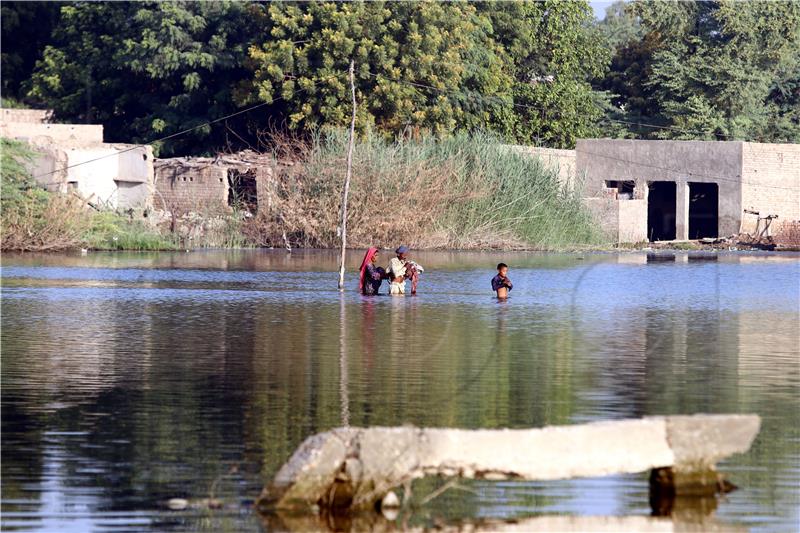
(130, 379)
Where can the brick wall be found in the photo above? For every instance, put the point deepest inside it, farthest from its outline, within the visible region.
(622, 221)
(199, 187)
(604, 211)
(788, 235)
(632, 220)
(770, 183)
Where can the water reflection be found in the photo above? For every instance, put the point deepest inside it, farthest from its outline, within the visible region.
(547, 523)
(344, 395)
(128, 380)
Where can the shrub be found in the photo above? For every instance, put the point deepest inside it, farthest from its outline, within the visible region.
(34, 219)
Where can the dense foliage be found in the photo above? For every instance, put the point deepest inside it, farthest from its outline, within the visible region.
(146, 69)
(27, 28)
(445, 49)
(532, 72)
(710, 69)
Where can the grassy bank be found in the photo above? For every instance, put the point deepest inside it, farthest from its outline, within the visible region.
(464, 192)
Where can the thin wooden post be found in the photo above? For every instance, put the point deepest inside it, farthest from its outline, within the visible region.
(349, 173)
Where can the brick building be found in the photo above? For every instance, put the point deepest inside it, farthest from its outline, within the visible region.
(213, 185)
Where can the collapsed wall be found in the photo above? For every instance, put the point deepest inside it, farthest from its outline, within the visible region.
(353, 468)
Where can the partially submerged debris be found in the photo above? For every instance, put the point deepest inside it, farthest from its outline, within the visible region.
(355, 468)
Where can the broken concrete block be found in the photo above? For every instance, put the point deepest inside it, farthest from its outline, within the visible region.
(311, 474)
(355, 468)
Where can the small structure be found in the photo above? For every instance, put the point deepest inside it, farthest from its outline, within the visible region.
(680, 190)
(214, 185)
(354, 468)
(73, 157)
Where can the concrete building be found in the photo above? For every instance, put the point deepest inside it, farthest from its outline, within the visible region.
(680, 190)
(73, 157)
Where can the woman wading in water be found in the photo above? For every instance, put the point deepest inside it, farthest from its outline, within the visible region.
(371, 276)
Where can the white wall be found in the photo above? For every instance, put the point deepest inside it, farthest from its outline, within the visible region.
(110, 179)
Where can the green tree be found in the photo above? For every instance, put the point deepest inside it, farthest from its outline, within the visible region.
(521, 69)
(146, 69)
(620, 25)
(784, 104)
(151, 69)
(26, 29)
(712, 69)
(419, 65)
(553, 51)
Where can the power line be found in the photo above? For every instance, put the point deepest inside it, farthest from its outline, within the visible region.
(663, 127)
(177, 134)
(136, 146)
(539, 108)
(423, 86)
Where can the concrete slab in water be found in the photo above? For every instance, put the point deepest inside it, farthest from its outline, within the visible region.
(355, 467)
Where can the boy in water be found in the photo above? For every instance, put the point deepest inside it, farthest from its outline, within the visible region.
(500, 283)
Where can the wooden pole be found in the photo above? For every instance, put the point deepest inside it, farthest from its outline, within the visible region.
(349, 173)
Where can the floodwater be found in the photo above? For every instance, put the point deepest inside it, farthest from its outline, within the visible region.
(130, 379)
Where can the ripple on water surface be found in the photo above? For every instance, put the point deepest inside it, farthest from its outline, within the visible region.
(130, 379)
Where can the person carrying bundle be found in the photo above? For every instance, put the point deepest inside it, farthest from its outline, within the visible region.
(400, 269)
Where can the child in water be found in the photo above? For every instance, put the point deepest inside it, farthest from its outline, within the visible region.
(500, 283)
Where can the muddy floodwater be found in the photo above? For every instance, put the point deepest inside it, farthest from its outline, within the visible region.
(131, 379)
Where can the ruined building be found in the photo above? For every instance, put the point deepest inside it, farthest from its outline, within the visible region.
(73, 157)
(211, 186)
(638, 190)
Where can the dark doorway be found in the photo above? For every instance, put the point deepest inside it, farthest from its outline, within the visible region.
(703, 210)
(242, 189)
(661, 211)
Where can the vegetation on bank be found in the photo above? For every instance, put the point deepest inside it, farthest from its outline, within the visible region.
(460, 192)
(33, 219)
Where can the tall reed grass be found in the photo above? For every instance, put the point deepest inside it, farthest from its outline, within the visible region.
(465, 191)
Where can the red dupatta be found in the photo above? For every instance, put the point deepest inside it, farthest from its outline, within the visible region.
(367, 260)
